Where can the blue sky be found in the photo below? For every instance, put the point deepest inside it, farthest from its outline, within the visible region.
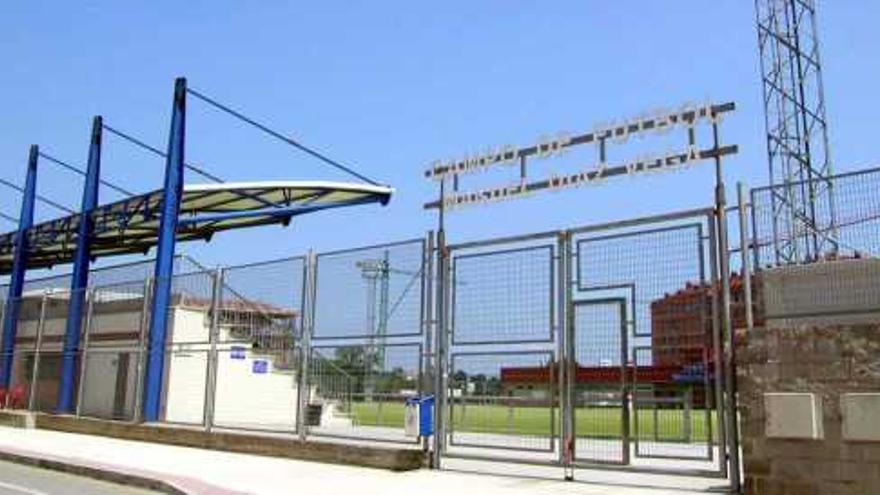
(391, 86)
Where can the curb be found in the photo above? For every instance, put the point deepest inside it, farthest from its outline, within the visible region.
(120, 478)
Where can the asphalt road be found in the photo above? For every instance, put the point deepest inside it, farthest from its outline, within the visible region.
(16, 479)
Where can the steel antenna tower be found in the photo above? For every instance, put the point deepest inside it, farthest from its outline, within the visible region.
(797, 136)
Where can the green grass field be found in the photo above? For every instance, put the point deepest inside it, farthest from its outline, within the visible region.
(595, 422)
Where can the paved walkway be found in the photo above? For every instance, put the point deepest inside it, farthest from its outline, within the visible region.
(204, 471)
(16, 479)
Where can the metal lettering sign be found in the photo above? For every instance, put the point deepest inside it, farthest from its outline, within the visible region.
(686, 119)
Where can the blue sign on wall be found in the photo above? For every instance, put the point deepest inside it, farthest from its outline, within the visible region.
(237, 352)
(261, 367)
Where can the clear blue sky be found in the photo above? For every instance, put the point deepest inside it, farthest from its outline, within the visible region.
(391, 86)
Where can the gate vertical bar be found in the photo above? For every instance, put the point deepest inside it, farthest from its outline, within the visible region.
(213, 337)
(566, 411)
(172, 193)
(19, 266)
(35, 372)
(744, 254)
(79, 278)
(308, 313)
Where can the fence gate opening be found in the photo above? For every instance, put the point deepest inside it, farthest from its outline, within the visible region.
(587, 347)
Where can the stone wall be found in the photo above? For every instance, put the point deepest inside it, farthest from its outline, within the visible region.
(834, 364)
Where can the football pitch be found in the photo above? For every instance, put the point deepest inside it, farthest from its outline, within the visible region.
(667, 425)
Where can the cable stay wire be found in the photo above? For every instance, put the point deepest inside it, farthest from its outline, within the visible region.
(81, 172)
(137, 142)
(8, 217)
(280, 136)
(39, 197)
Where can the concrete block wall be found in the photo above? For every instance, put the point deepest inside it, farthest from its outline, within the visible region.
(828, 362)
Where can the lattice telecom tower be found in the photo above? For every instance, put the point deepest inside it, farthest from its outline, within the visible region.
(797, 138)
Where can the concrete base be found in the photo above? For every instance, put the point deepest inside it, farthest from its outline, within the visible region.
(355, 455)
(18, 419)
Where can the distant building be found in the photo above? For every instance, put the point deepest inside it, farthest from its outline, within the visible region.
(256, 381)
(679, 363)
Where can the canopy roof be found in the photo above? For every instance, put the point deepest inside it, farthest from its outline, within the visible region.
(131, 225)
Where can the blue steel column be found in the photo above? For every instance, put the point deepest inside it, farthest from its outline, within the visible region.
(19, 266)
(80, 276)
(165, 256)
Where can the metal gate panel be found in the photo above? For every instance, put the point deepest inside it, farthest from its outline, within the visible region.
(660, 269)
(503, 397)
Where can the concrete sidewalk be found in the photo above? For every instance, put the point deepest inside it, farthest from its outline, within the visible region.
(205, 471)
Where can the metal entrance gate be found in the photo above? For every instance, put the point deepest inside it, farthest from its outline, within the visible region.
(593, 346)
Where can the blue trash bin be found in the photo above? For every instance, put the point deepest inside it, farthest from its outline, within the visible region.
(422, 406)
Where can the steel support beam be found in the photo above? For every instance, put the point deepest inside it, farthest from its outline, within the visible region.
(19, 265)
(80, 275)
(164, 270)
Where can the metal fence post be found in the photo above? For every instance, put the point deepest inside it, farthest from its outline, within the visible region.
(729, 340)
(308, 312)
(440, 368)
(717, 347)
(90, 309)
(35, 372)
(744, 254)
(428, 325)
(141, 352)
(565, 346)
(213, 336)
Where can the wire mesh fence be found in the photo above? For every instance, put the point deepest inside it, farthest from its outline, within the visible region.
(819, 266)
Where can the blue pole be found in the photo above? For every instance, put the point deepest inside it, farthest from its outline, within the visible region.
(80, 276)
(19, 266)
(165, 256)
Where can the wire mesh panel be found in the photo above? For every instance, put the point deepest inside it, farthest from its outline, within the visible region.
(189, 314)
(360, 390)
(843, 223)
(186, 384)
(21, 379)
(257, 362)
(672, 421)
(371, 292)
(600, 409)
(262, 303)
(110, 383)
(256, 388)
(117, 316)
(503, 296)
(504, 400)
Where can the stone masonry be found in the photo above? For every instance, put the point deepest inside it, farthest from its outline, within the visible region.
(830, 362)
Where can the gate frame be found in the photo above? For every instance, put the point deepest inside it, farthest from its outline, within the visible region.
(714, 243)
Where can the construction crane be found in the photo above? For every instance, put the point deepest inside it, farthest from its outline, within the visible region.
(803, 216)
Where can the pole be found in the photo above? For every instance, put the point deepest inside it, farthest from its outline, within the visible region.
(440, 370)
(35, 372)
(727, 332)
(744, 255)
(19, 266)
(303, 395)
(79, 279)
(165, 255)
(213, 358)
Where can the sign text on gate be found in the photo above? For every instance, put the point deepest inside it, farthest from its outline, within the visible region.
(686, 119)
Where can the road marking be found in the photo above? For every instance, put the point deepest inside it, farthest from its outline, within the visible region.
(21, 489)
